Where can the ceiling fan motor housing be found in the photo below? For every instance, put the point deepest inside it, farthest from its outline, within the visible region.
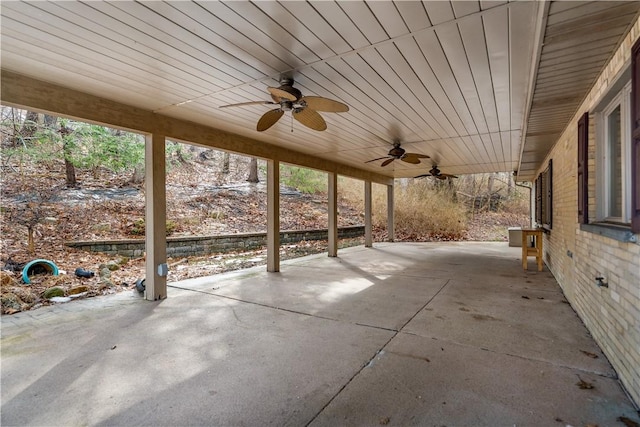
(286, 84)
(396, 151)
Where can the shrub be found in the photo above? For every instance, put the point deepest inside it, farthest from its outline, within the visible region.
(303, 179)
(138, 227)
(421, 213)
(56, 291)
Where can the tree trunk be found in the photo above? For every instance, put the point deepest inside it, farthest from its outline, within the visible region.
(253, 171)
(50, 121)
(490, 181)
(225, 162)
(70, 170)
(67, 152)
(452, 190)
(29, 128)
(70, 173)
(181, 158)
(138, 175)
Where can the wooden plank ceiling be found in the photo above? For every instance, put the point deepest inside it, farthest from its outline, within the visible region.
(579, 39)
(451, 80)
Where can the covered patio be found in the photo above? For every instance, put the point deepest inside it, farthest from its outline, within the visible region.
(454, 334)
(400, 334)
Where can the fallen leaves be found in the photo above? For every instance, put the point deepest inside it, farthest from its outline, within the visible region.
(588, 353)
(628, 422)
(199, 202)
(584, 385)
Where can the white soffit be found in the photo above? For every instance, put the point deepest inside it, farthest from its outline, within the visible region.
(579, 39)
(451, 79)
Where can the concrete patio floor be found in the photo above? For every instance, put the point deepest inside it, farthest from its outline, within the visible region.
(428, 334)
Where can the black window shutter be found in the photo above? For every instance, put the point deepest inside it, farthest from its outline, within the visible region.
(583, 179)
(539, 199)
(635, 137)
(549, 194)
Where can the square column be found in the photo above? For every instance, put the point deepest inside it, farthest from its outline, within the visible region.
(155, 218)
(333, 214)
(273, 216)
(368, 238)
(390, 229)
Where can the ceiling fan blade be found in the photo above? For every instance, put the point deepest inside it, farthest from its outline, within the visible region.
(410, 158)
(448, 175)
(277, 94)
(320, 103)
(268, 119)
(248, 103)
(441, 176)
(379, 158)
(386, 162)
(310, 118)
(423, 175)
(417, 156)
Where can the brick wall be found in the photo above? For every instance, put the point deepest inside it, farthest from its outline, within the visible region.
(576, 257)
(204, 245)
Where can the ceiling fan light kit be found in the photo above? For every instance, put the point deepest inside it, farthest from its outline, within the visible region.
(303, 108)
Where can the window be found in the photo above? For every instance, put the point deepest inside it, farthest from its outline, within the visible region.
(613, 159)
(544, 197)
(617, 158)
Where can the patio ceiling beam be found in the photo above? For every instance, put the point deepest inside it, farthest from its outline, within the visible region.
(25, 92)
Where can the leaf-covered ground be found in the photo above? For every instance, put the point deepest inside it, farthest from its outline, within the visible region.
(199, 202)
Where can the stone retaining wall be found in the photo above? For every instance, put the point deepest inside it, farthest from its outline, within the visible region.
(204, 245)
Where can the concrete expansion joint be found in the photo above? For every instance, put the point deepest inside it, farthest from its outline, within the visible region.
(273, 307)
(377, 327)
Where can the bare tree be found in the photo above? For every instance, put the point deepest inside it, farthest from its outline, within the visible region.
(50, 121)
(253, 171)
(179, 153)
(137, 177)
(31, 213)
(67, 150)
(29, 127)
(225, 162)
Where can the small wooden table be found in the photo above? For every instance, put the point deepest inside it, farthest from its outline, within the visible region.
(535, 250)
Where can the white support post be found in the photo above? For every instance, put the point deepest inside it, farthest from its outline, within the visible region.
(155, 219)
(368, 239)
(273, 216)
(333, 214)
(390, 229)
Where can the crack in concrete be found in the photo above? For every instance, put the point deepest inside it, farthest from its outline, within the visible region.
(379, 351)
(519, 356)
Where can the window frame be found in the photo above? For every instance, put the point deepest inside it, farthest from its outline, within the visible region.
(544, 198)
(622, 98)
(627, 233)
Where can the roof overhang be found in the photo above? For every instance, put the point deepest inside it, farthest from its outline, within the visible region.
(479, 86)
